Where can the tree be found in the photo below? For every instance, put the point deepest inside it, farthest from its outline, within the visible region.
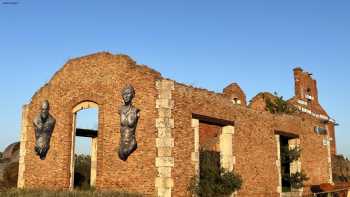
(279, 106)
(290, 154)
(296, 179)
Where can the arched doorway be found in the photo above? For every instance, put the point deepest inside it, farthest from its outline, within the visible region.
(84, 145)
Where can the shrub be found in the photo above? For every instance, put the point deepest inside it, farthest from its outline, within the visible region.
(294, 180)
(297, 179)
(213, 180)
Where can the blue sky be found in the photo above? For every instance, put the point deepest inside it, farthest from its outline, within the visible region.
(204, 43)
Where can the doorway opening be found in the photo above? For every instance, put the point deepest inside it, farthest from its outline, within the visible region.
(289, 158)
(285, 164)
(84, 146)
(213, 157)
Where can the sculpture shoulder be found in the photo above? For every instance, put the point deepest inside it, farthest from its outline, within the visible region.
(37, 120)
(120, 109)
(136, 110)
(51, 119)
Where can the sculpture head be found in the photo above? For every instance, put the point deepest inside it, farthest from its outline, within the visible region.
(128, 94)
(45, 107)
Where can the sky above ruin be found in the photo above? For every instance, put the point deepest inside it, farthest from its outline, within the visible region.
(207, 44)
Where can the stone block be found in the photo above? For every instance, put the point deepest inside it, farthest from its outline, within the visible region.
(164, 182)
(164, 151)
(228, 130)
(164, 132)
(195, 123)
(164, 123)
(164, 192)
(279, 189)
(164, 142)
(165, 84)
(164, 172)
(164, 103)
(164, 94)
(195, 156)
(164, 112)
(164, 162)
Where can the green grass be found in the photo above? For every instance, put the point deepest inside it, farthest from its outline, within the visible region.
(75, 193)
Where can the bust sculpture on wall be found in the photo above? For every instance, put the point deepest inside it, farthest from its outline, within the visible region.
(129, 116)
(44, 125)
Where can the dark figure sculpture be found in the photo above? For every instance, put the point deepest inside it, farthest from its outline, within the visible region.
(129, 116)
(44, 124)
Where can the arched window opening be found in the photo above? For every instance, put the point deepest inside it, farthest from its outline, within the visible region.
(84, 149)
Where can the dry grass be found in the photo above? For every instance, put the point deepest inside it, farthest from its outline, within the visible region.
(76, 193)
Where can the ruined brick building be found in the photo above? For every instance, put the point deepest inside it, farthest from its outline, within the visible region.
(175, 121)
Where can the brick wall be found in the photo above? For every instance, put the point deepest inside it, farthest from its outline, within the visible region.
(254, 142)
(209, 135)
(98, 78)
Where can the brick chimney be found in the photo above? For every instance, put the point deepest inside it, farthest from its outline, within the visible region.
(306, 99)
(305, 86)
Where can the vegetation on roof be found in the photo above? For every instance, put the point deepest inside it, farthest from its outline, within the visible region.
(278, 105)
